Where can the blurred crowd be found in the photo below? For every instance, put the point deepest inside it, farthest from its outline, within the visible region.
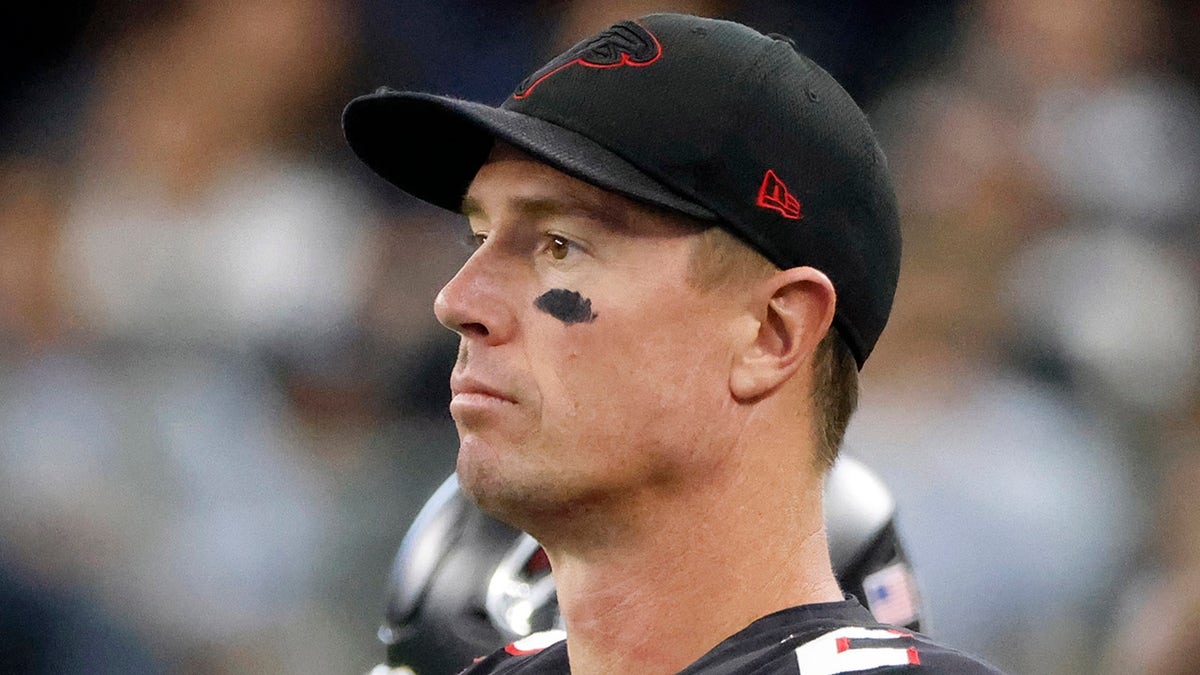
(222, 388)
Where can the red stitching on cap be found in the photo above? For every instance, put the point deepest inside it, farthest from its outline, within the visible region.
(625, 61)
(774, 195)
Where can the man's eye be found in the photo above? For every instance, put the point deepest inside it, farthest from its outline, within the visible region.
(559, 247)
(477, 239)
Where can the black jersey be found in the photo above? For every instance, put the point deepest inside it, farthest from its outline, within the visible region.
(818, 639)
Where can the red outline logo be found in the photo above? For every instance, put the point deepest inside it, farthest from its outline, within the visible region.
(774, 195)
(625, 44)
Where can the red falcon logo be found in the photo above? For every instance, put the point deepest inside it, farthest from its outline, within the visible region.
(625, 44)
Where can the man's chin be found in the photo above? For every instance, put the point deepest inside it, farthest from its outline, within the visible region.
(529, 500)
(497, 493)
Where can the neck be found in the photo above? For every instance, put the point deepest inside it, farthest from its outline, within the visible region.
(688, 569)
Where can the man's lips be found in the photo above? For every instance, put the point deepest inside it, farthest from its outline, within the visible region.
(466, 389)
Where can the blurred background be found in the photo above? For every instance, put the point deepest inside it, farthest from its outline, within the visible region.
(222, 388)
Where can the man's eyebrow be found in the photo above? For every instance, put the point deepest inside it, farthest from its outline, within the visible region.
(470, 207)
(550, 206)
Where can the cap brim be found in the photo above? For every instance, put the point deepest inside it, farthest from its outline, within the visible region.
(432, 146)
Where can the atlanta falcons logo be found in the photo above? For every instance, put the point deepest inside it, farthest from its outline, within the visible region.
(625, 44)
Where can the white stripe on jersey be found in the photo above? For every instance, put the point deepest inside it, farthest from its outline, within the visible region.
(835, 652)
(535, 642)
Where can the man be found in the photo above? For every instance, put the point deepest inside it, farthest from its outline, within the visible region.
(687, 244)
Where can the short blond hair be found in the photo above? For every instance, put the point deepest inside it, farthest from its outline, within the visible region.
(720, 259)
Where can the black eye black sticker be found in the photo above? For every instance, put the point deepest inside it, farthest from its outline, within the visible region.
(567, 306)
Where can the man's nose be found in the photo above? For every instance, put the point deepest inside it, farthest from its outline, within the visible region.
(477, 303)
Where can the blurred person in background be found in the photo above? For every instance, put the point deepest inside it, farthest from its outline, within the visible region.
(49, 621)
(1160, 622)
(977, 449)
(193, 259)
(1046, 170)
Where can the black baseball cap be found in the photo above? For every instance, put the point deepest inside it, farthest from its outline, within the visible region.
(705, 117)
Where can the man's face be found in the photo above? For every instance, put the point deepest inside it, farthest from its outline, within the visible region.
(590, 369)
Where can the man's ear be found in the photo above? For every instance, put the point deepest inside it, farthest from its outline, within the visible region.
(793, 310)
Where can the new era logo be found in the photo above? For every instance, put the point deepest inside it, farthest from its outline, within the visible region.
(774, 195)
